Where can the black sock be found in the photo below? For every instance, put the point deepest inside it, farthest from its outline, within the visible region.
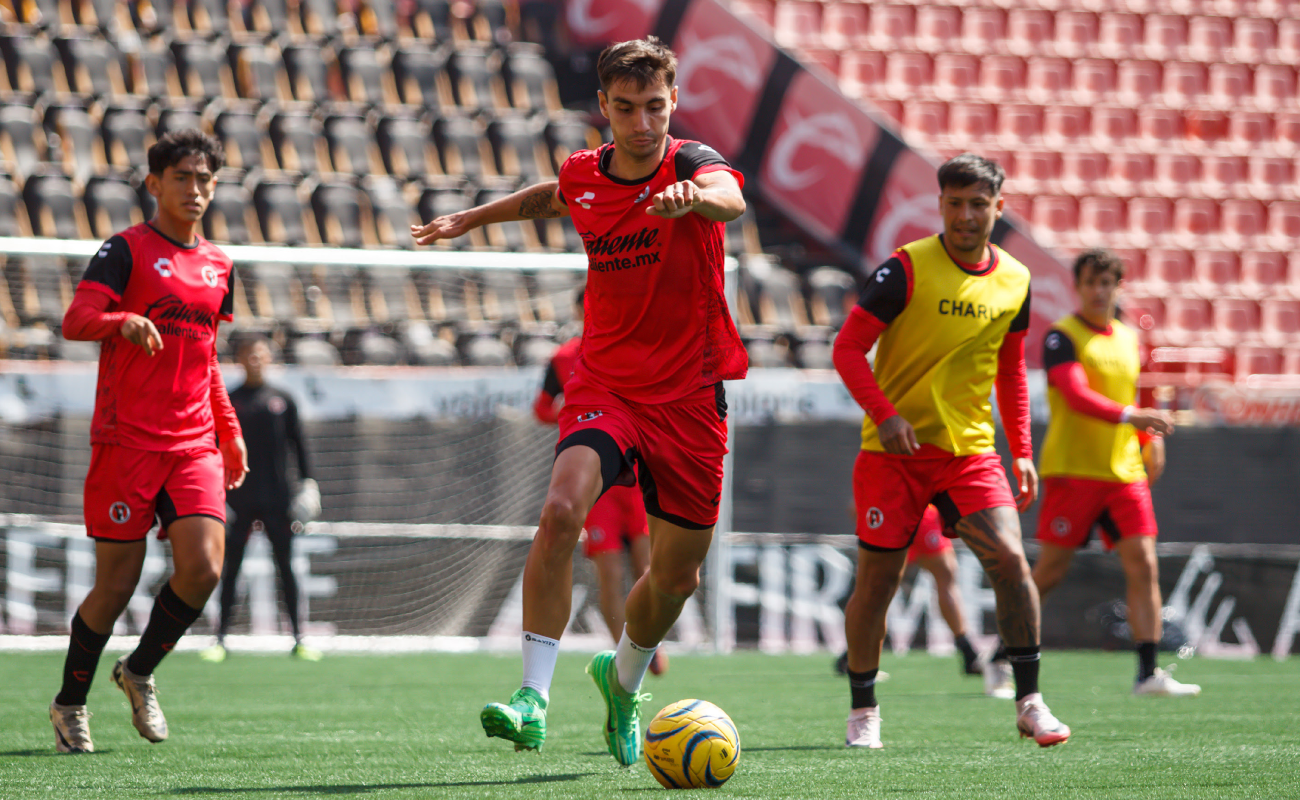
(1146, 660)
(168, 621)
(862, 688)
(964, 647)
(84, 647)
(1024, 665)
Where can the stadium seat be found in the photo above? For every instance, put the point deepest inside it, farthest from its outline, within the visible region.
(530, 80)
(335, 298)
(1244, 222)
(1082, 171)
(1222, 175)
(203, 16)
(1256, 360)
(336, 205)
(1029, 31)
(439, 201)
(1284, 224)
(1216, 273)
(1229, 85)
(567, 134)
(1002, 78)
(351, 145)
(797, 23)
(1286, 133)
(1271, 178)
(230, 216)
(971, 124)
(1047, 79)
(312, 351)
(892, 27)
(1101, 218)
(126, 136)
(281, 213)
(1164, 36)
(1167, 269)
(367, 73)
(53, 207)
(390, 295)
(1113, 127)
(862, 74)
(1235, 321)
(49, 290)
(1184, 82)
(1280, 321)
(318, 17)
(112, 205)
(1275, 86)
(1253, 39)
(1160, 129)
(955, 76)
(762, 11)
(475, 81)
(391, 213)
(1020, 125)
(1208, 38)
(1056, 217)
(22, 139)
(1205, 128)
(1288, 40)
(92, 66)
(1034, 172)
(1249, 131)
(832, 294)
(1144, 312)
(273, 291)
(33, 63)
(432, 19)
(1187, 321)
(1064, 125)
(244, 139)
(983, 29)
(1175, 174)
(908, 75)
(202, 69)
(520, 148)
(1139, 82)
(1195, 217)
(421, 77)
(463, 147)
(307, 65)
(938, 28)
(406, 146)
(175, 116)
(1263, 273)
(1094, 80)
(296, 138)
(1120, 35)
(926, 119)
(1076, 33)
(1130, 172)
(78, 136)
(13, 216)
(517, 237)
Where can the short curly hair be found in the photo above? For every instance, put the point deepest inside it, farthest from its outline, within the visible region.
(171, 148)
(1098, 260)
(644, 62)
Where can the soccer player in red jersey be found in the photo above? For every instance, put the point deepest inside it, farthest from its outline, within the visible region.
(657, 343)
(950, 312)
(617, 522)
(165, 442)
(1094, 475)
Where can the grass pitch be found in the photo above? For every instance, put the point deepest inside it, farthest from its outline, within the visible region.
(407, 727)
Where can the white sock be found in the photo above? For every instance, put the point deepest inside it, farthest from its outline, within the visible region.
(631, 660)
(539, 662)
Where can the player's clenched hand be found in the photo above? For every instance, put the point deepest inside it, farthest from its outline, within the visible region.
(445, 227)
(234, 457)
(1026, 482)
(897, 436)
(1152, 420)
(676, 201)
(140, 331)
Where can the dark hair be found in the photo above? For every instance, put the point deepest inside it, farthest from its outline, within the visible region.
(969, 169)
(170, 149)
(1098, 259)
(246, 341)
(641, 61)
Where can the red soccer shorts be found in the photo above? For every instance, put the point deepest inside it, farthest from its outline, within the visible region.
(126, 488)
(930, 539)
(677, 447)
(617, 518)
(891, 493)
(1073, 506)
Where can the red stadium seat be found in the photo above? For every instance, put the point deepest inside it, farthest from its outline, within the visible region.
(1230, 84)
(1164, 36)
(938, 28)
(1257, 360)
(1002, 78)
(1064, 126)
(983, 29)
(1222, 176)
(1082, 171)
(1253, 39)
(1018, 204)
(1286, 132)
(1120, 35)
(1280, 321)
(1248, 131)
(1284, 224)
(797, 23)
(908, 75)
(1029, 30)
(1168, 269)
(1130, 172)
(1187, 321)
(1056, 217)
(892, 109)
(1048, 79)
(1134, 265)
(970, 124)
(862, 73)
(1100, 217)
(1176, 174)
(762, 10)
(1217, 273)
(1020, 125)
(1275, 86)
(1035, 171)
(1208, 38)
(845, 25)
(1263, 273)
(1113, 127)
(1288, 40)
(956, 76)
(1184, 82)
(1195, 217)
(1243, 222)
(892, 27)
(1160, 128)
(1271, 178)
(824, 57)
(1139, 82)
(1236, 321)
(928, 119)
(1149, 220)
(1094, 80)
(1143, 312)
(1076, 33)
(1291, 359)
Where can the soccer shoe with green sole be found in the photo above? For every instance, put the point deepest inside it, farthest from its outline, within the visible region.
(302, 652)
(71, 729)
(216, 653)
(522, 720)
(622, 710)
(142, 692)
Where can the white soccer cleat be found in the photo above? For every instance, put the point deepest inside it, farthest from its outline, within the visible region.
(998, 680)
(1162, 684)
(71, 729)
(146, 714)
(1036, 722)
(864, 728)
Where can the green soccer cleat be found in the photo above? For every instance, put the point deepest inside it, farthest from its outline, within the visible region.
(522, 721)
(622, 719)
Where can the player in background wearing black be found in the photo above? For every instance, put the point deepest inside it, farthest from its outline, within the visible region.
(269, 418)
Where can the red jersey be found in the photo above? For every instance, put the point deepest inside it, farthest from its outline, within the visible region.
(656, 324)
(159, 402)
(563, 364)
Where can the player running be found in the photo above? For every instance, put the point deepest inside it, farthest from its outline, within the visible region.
(165, 442)
(657, 343)
(617, 522)
(1092, 459)
(951, 312)
(269, 418)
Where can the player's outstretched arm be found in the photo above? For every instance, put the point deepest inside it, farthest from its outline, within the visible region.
(89, 320)
(713, 195)
(540, 201)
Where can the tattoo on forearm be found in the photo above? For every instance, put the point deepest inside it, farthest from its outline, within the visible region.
(1017, 603)
(537, 205)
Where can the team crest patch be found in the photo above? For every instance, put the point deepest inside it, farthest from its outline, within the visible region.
(119, 512)
(589, 416)
(210, 276)
(1061, 526)
(875, 518)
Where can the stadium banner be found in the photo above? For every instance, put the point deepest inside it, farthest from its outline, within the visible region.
(827, 162)
(787, 592)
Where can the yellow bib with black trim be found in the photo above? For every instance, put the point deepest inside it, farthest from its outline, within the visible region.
(1080, 446)
(937, 360)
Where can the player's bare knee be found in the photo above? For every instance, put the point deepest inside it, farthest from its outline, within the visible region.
(676, 586)
(200, 578)
(561, 523)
